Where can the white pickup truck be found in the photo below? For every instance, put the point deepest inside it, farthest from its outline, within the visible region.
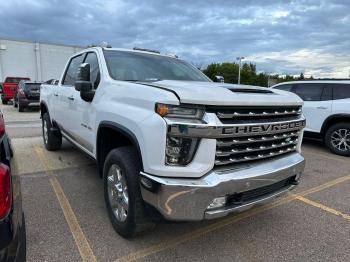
(168, 139)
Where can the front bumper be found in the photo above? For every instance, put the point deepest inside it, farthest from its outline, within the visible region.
(188, 199)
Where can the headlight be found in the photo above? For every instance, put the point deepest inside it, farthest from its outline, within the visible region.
(180, 151)
(190, 112)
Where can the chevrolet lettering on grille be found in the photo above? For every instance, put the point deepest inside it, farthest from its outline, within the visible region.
(264, 128)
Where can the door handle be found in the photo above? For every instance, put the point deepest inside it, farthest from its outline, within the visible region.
(71, 98)
(55, 94)
(322, 107)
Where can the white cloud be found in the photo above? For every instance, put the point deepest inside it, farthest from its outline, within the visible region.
(285, 37)
(280, 13)
(317, 63)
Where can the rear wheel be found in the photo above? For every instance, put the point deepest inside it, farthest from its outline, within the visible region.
(20, 107)
(4, 102)
(52, 138)
(337, 139)
(14, 102)
(122, 193)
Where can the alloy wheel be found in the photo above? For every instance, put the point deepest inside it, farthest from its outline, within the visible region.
(340, 139)
(118, 193)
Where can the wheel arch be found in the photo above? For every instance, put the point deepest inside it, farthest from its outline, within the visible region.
(333, 119)
(123, 137)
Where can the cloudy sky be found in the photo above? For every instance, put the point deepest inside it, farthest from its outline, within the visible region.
(284, 37)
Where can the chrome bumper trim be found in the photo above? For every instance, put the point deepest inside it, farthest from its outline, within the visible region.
(188, 199)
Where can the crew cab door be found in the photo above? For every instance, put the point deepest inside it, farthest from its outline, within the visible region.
(83, 112)
(65, 96)
(317, 103)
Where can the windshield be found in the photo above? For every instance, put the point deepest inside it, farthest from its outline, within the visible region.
(28, 86)
(133, 66)
(14, 80)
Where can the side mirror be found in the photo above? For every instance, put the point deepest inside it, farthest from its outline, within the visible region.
(83, 78)
(83, 84)
(219, 79)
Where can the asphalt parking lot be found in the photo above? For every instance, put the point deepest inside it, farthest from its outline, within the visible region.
(67, 221)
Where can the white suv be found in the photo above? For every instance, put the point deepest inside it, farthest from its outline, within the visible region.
(327, 111)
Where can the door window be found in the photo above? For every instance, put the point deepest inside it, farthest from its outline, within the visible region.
(309, 92)
(91, 58)
(327, 93)
(71, 73)
(341, 91)
(287, 87)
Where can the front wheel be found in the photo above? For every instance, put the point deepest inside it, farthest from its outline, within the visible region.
(122, 193)
(52, 138)
(337, 139)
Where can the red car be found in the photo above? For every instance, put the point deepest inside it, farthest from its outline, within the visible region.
(9, 87)
(12, 222)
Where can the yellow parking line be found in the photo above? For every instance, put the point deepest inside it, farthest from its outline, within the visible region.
(224, 222)
(323, 207)
(72, 221)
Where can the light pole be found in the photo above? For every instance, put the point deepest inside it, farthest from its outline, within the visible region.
(240, 58)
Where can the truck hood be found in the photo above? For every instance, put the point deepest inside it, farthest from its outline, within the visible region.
(211, 93)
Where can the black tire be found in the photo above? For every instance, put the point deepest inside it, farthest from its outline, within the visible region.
(15, 102)
(126, 158)
(331, 134)
(22, 253)
(4, 102)
(20, 107)
(53, 138)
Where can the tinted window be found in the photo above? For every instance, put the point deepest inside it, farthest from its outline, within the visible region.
(341, 91)
(71, 73)
(14, 79)
(309, 92)
(284, 87)
(32, 86)
(327, 92)
(134, 66)
(91, 58)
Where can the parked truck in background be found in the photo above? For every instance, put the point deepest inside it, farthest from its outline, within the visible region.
(168, 139)
(9, 88)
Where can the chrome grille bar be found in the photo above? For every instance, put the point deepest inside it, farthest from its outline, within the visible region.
(252, 113)
(258, 156)
(247, 140)
(256, 148)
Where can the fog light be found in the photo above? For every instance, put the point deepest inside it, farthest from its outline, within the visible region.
(217, 202)
(149, 184)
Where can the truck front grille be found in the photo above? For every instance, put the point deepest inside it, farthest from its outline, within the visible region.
(234, 150)
(261, 114)
(243, 147)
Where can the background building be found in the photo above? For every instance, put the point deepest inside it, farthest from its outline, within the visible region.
(39, 61)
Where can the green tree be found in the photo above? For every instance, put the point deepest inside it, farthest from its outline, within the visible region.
(249, 75)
